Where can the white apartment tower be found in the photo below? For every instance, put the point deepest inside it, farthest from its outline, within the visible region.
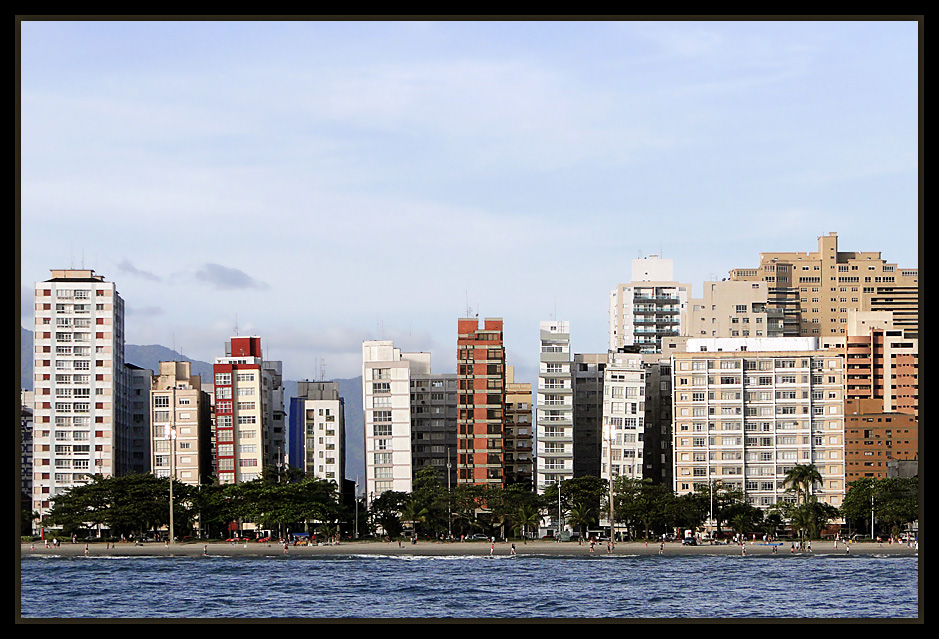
(79, 383)
(649, 307)
(624, 392)
(386, 402)
(746, 411)
(554, 407)
(317, 445)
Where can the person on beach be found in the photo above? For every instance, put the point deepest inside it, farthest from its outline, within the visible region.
(513, 549)
(86, 550)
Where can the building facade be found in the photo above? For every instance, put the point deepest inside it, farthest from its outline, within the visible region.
(519, 431)
(79, 384)
(875, 440)
(480, 422)
(181, 423)
(554, 406)
(624, 390)
(815, 291)
(746, 411)
(249, 432)
(386, 403)
(434, 424)
(317, 431)
(649, 307)
(734, 309)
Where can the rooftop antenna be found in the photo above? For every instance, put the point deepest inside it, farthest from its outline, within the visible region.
(322, 370)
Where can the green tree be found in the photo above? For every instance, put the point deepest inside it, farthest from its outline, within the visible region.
(385, 511)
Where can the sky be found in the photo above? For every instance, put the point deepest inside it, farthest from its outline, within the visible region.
(321, 183)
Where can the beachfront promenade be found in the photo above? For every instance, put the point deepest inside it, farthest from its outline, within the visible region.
(445, 548)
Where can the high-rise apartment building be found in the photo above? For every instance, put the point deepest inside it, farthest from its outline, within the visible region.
(249, 432)
(434, 424)
(747, 410)
(554, 406)
(623, 435)
(875, 440)
(181, 424)
(519, 431)
(481, 374)
(733, 309)
(137, 418)
(882, 362)
(587, 378)
(317, 431)
(79, 383)
(649, 307)
(386, 403)
(816, 290)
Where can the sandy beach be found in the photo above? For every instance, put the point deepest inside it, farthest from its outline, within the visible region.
(444, 548)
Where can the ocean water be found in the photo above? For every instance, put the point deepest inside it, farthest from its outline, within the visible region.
(472, 587)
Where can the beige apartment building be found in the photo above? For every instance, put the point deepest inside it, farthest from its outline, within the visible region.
(734, 309)
(748, 410)
(180, 421)
(518, 431)
(815, 291)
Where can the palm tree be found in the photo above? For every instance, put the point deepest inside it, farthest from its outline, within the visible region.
(527, 516)
(582, 515)
(414, 514)
(800, 479)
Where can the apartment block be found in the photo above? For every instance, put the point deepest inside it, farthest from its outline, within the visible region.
(554, 406)
(481, 372)
(649, 307)
(747, 410)
(249, 412)
(734, 309)
(816, 290)
(876, 440)
(624, 389)
(181, 425)
(316, 431)
(587, 378)
(386, 403)
(434, 424)
(79, 383)
(519, 431)
(138, 411)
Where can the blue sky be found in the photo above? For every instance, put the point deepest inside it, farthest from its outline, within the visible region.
(322, 183)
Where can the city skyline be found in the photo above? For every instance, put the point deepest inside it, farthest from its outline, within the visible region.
(309, 182)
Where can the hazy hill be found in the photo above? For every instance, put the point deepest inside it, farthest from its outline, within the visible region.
(150, 356)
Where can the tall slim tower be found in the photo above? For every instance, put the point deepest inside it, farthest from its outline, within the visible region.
(554, 406)
(79, 383)
(386, 403)
(481, 372)
(248, 410)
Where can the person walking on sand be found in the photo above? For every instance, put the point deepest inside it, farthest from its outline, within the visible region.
(513, 549)
(492, 545)
(86, 550)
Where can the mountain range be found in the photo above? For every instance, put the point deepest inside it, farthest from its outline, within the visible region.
(150, 356)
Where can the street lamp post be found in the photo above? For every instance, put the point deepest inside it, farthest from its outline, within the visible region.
(171, 435)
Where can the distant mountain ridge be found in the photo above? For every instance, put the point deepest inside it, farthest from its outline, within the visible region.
(149, 357)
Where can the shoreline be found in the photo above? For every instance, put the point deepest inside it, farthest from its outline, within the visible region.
(454, 548)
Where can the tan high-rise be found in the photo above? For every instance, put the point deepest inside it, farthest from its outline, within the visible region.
(181, 423)
(816, 290)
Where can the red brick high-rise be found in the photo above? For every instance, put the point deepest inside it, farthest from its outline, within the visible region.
(481, 403)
